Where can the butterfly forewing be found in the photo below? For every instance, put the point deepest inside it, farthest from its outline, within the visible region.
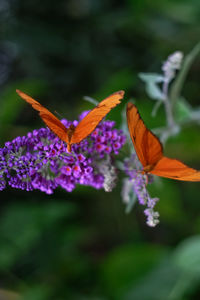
(49, 119)
(147, 145)
(56, 126)
(92, 119)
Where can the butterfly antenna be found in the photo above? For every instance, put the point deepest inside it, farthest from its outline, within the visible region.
(91, 100)
(59, 115)
(61, 145)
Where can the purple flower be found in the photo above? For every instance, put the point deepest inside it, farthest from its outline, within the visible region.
(40, 160)
(108, 149)
(136, 183)
(66, 170)
(76, 171)
(83, 114)
(2, 183)
(116, 146)
(80, 157)
(88, 170)
(95, 133)
(100, 147)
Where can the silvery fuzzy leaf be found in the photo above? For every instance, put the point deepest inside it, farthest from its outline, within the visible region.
(151, 77)
(152, 88)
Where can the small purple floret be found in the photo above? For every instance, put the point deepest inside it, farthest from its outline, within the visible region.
(137, 183)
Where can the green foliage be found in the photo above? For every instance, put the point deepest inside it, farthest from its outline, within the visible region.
(152, 88)
(126, 265)
(156, 285)
(183, 110)
(22, 226)
(83, 246)
(11, 104)
(152, 272)
(187, 256)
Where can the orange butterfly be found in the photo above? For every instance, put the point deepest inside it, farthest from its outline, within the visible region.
(74, 135)
(150, 151)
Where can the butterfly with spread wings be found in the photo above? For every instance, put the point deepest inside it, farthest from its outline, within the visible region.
(75, 134)
(150, 151)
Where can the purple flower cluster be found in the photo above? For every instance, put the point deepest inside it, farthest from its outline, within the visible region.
(40, 160)
(136, 183)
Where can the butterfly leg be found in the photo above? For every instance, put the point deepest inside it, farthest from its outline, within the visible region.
(146, 179)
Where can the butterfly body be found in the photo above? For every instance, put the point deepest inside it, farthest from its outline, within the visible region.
(70, 131)
(75, 134)
(150, 151)
(148, 168)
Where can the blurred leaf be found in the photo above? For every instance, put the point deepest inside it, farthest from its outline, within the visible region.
(128, 196)
(174, 278)
(187, 255)
(11, 105)
(9, 295)
(37, 292)
(151, 77)
(183, 110)
(127, 264)
(154, 91)
(131, 202)
(182, 11)
(23, 225)
(156, 285)
(152, 88)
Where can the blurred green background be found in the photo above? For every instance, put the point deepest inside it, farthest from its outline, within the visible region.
(82, 245)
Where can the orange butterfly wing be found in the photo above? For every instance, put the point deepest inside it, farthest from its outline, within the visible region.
(84, 128)
(175, 169)
(147, 145)
(92, 119)
(150, 153)
(49, 119)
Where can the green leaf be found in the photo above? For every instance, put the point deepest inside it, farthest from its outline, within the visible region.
(22, 226)
(37, 292)
(156, 285)
(151, 77)
(183, 110)
(187, 255)
(127, 264)
(11, 104)
(152, 88)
